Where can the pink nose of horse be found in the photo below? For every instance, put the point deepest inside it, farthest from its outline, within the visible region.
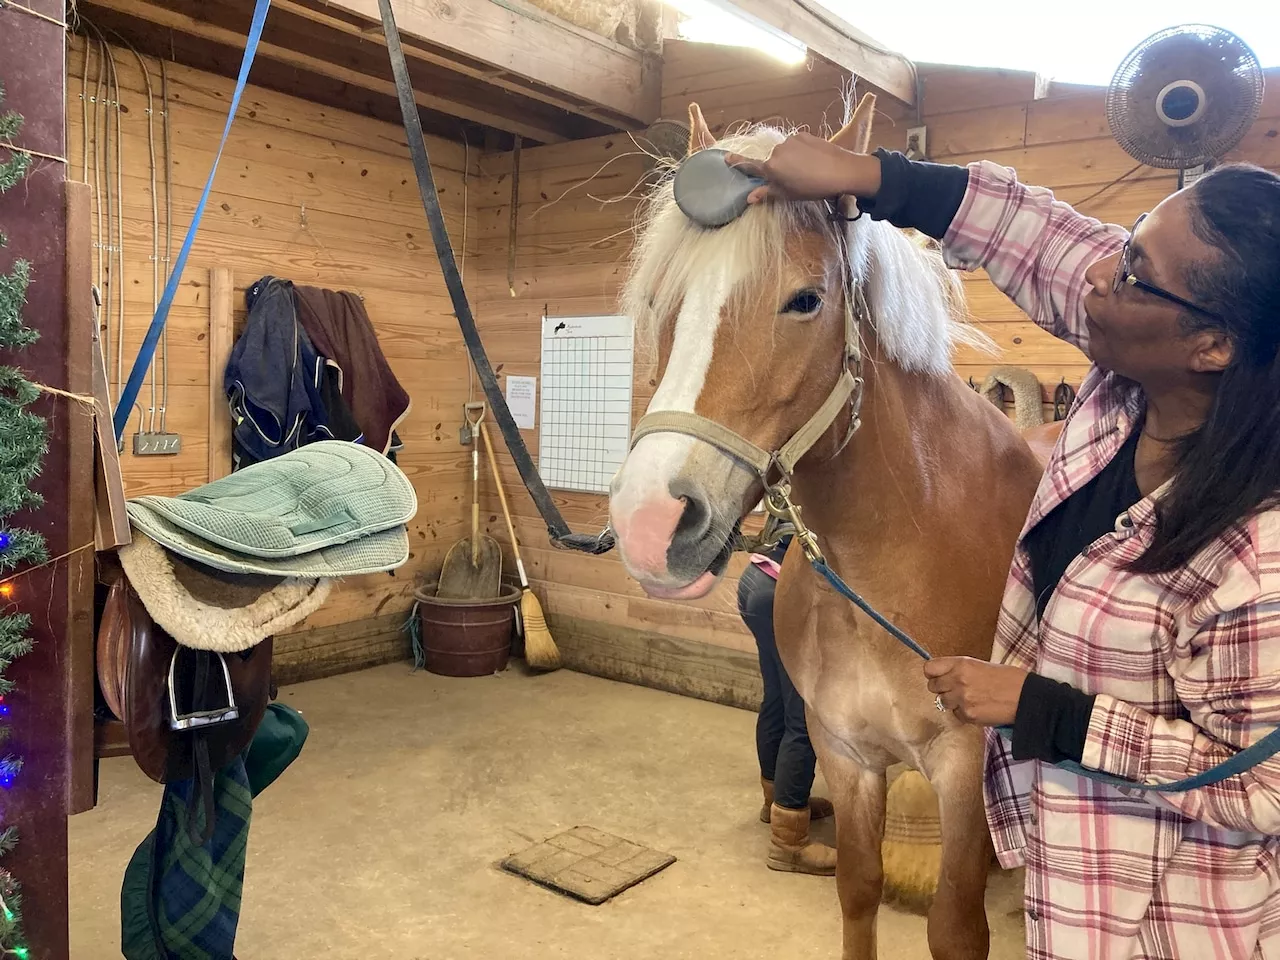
(646, 534)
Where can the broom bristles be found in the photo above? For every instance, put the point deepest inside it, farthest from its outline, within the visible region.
(912, 848)
(540, 650)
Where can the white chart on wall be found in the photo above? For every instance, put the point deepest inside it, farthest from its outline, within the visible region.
(586, 401)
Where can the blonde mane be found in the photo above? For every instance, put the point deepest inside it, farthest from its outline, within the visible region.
(917, 303)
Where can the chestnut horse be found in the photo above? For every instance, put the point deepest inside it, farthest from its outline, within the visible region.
(918, 509)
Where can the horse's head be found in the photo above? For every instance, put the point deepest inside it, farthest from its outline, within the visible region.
(749, 322)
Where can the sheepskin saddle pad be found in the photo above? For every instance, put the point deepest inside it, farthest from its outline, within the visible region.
(232, 562)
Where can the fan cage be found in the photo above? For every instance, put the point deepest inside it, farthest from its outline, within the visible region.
(1217, 60)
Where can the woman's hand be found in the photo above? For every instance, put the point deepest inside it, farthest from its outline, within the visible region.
(805, 167)
(977, 691)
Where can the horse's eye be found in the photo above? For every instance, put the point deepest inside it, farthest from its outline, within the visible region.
(804, 302)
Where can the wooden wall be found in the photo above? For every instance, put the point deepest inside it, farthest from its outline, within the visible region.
(317, 196)
(1060, 141)
(576, 207)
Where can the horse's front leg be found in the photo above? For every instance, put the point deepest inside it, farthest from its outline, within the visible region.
(958, 918)
(858, 794)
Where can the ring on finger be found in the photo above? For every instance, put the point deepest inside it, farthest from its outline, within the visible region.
(937, 702)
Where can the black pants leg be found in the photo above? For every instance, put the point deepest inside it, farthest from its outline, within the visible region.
(782, 738)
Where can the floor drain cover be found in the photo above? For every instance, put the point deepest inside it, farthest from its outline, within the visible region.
(587, 864)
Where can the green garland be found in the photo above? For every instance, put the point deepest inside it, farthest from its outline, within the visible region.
(23, 443)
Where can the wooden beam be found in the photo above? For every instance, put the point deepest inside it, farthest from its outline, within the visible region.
(520, 39)
(221, 290)
(835, 39)
(80, 521)
(175, 20)
(489, 74)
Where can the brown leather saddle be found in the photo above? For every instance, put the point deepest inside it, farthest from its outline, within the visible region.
(177, 702)
(184, 642)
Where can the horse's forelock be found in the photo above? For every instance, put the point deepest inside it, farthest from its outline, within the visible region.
(918, 322)
(672, 253)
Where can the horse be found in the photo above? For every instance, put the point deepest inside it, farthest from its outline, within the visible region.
(916, 487)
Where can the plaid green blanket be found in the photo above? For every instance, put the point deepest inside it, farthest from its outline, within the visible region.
(193, 907)
(181, 901)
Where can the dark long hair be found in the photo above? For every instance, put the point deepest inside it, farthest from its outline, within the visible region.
(1229, 468)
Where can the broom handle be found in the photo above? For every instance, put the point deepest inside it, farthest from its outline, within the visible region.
(475, 507)
(506, 513)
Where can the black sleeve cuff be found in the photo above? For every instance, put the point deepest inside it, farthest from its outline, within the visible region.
(1052, 721)
(915, 194)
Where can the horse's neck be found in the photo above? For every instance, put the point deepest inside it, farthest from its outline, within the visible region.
(895, 481)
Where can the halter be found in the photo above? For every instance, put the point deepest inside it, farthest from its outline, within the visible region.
(778, 503)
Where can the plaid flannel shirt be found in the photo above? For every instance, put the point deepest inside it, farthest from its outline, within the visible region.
(1185, 665)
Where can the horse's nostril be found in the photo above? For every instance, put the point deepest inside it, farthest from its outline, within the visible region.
(694, 521)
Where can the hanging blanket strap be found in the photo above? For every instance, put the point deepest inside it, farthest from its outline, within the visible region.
(557, 529)
(148, 349)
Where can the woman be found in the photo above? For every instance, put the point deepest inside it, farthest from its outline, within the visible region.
(1140, 629)
(786, 757)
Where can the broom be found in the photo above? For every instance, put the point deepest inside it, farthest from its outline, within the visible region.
(912, 847)
(540, 650)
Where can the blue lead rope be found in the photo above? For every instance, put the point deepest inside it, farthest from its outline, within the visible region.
(1246, 759)
(148, 349)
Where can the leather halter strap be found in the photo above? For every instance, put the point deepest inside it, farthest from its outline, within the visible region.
(848, 390)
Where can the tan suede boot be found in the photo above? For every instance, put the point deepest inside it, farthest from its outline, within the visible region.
(819, 807)
(790, 848)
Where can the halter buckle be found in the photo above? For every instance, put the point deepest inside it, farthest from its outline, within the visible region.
(778, 503)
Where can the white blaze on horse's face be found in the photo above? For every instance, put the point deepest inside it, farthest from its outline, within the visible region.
(669, 535)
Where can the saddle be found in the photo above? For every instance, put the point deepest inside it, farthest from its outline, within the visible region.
(184, 643)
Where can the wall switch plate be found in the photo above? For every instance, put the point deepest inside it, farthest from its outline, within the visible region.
(156, 444)
(917, 143)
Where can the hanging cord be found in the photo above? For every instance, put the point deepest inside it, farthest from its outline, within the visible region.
(116, 281)
(122, 283)
(462, 263)
(155, 220)
(168, 241)
(84, 116)
(515, 209)
(10, 5)
(98, 246)
(33, 153)
(1107, 186)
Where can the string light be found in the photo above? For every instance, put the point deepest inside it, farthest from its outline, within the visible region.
(6, 591)
(4, 540)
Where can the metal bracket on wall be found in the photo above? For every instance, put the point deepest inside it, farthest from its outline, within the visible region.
(917, 143)
(156, 444)
(472, 414)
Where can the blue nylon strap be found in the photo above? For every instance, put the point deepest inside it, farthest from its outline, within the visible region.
(1238, 763)
(130, 393)
(848, 593)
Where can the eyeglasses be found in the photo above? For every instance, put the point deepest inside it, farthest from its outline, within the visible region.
(1123, 276)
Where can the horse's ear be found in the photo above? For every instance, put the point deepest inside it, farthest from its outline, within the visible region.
(700, 136)
(856, 134)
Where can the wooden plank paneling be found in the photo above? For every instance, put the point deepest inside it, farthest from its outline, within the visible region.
(522, 39)
(221, 286)
(319, 197)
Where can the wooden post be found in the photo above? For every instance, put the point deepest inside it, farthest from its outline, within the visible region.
(221, 336)
(33, 70)
(80, 480)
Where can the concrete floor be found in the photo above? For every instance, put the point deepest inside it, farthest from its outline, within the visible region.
(381, 840)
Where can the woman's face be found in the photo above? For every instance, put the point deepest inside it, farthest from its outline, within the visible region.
(1139, 334)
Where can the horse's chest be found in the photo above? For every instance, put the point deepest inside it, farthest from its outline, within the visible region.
(855, 692)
